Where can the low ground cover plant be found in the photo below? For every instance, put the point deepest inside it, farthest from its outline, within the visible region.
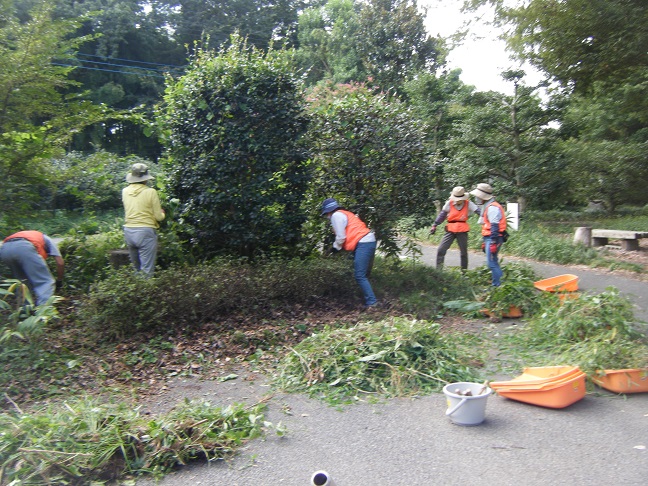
(188, 297)
(516, 291)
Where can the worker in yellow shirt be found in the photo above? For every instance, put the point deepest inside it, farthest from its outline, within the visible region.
(143, 213)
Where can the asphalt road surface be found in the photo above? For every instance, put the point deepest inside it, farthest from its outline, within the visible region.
(600, 440)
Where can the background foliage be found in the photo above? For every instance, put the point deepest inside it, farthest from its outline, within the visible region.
(369, 153)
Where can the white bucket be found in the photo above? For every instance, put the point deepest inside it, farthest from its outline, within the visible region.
(466, 410)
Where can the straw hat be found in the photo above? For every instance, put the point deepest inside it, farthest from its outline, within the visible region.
(483, 191)
(459, 194)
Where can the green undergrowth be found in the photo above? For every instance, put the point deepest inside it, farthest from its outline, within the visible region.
(516, 290)
(188, 297)
(89, 442)
(592, 331)
(391, 357)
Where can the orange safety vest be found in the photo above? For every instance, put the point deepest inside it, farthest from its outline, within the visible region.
(355, 230)
(457, 218)
(34, 237)
(486, 228)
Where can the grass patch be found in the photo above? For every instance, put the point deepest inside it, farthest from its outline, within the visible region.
(392, 357)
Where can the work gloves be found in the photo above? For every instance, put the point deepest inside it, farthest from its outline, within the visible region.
(433, 229)
(59, 285)
(493, 247)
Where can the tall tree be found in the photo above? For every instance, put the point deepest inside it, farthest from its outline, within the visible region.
(578, 42)
(507, 140)
(327, 42)
(597, 50)
(123, 67)
(235, 163)
(261, 22)
(608, 143)
(393, 43)
(36, 118)
(438, 101)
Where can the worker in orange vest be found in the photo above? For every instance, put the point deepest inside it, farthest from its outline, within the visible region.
(353, 235)
(493, 221)
(457, 209)
(25, 253)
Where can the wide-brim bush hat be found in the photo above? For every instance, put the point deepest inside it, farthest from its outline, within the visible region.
(459, 194)
(483, 191)
(139, 173)
(329, 205)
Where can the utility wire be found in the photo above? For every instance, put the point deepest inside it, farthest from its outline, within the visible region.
(125, 66)
(109, 70)
(128, 60)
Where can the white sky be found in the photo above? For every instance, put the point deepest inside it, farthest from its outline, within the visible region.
(483, 56)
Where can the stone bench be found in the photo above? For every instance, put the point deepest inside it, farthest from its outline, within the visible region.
(629, 239)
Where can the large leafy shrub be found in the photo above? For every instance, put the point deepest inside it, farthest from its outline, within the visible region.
(369, 153)
(233, 124)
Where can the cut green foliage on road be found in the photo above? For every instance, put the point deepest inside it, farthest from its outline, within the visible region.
(81, 441)
(592, 331)
(392, 357)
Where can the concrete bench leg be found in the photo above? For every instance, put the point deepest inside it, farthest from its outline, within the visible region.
(630, 245)
(597, 241)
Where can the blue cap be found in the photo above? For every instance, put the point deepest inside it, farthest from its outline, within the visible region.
(329, 205)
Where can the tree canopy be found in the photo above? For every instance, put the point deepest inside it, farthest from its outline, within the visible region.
(37, 118)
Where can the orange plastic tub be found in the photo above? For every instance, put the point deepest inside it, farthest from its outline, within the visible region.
(557, 395)
(547, 386)
(623, 381)
(539, 375)
(561, 283)
(513, 311)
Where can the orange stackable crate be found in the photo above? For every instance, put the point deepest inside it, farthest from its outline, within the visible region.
(539, 375)
(551, 386)
(561, 283)
(623, 381)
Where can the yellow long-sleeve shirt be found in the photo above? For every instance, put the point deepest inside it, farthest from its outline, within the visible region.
(142, 206)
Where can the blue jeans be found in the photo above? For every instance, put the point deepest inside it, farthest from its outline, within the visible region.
(362, 263)
(492, 261)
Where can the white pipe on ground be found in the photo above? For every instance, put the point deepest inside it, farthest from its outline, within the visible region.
(321, 478)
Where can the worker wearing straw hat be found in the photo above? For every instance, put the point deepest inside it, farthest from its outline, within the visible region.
(493, 221)
(143, 214)
(457, 209)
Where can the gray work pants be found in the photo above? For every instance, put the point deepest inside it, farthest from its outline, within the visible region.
(142, 248)
(27, 265)
(446, 241)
